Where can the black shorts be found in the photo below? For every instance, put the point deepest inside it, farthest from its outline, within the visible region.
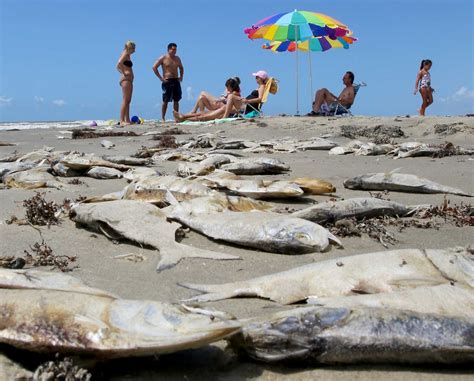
(171, 90)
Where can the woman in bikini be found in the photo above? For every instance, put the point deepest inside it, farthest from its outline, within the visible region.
(233, 103)
(124, 66)
(211, 103)
(423, 85)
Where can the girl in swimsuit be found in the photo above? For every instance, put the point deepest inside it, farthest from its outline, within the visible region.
(423, 85)
(211, 103)
(124, 66)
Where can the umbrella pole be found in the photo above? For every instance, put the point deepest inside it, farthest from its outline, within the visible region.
(310, 74)
(297, 77)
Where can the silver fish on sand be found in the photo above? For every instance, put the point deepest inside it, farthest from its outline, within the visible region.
(266, 231)
(107, 144)
(104, 173)
(446, 299)
(400, 182)
(256, 166)
(372, 273)
(38, 177)
(46, 320)
(84, 162)
(127, 160)
(144, 224)
(361, 207)
(323, 335)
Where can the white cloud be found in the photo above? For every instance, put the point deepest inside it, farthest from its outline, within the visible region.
(462, 94)
(59, 102)
(4, 101)
(39, 99)
(189, 93)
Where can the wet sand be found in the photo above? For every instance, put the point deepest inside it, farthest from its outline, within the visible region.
(99, 268)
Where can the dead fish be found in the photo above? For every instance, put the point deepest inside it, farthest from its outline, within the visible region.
(175, 155)
(46, 280)
(216, 160)
(372, 149)
(61, 170)
(34, 178)
(387, 271)
(10, 370)
(197, 169)
(314, 186)
(447, 149)
(256, 166)
(258, 189)
(445, 299)
(350, 147)
(104, 173)
(127, 160)
(50, 321)
(13, 167)
(3, 144)
(107, 144)
(84, 162)
(142, 223)
(266, 231)
(217, 204)
(357, 335)
(361, 207)
(140, 173)
(316, 144)
(182, 189)
(10, 158)
(400, 182)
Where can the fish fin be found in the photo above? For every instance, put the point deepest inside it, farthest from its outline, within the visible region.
(394, 171)
(335, 241)
(212, 297)
(405, 283)
(171, 199)
(172, 255)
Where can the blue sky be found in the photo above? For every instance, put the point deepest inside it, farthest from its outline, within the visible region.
(58, 57)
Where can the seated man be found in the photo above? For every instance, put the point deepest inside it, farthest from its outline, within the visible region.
(326, 102)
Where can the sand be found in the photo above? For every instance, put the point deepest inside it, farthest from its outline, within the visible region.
(99, 268)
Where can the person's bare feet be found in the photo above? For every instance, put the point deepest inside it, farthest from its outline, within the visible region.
(177, 116)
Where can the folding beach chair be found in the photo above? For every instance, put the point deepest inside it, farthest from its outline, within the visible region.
(271, 87)
(342, 110)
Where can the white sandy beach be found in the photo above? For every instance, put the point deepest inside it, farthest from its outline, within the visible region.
(98, 267)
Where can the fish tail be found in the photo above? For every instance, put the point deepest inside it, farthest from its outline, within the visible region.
(171, 255)
(212, 293)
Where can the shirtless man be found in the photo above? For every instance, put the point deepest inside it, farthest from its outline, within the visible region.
(329, 101)
(171, 82)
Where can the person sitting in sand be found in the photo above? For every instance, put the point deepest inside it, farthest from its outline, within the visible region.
(124, 66)
(234, 103)
(211, 103)
(326, 102)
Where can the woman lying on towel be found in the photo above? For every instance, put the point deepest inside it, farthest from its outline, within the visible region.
(211, 103)
(233, 104)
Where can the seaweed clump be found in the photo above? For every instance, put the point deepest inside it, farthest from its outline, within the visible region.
(41, 212)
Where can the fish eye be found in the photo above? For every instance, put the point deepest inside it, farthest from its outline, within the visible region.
(303, 237)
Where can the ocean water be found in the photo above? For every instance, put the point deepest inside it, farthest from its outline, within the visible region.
(62, 124)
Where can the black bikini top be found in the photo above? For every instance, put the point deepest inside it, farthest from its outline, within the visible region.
(128, 63)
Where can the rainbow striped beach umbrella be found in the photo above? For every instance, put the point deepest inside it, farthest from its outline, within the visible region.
(315, 44)
(301, 31)
(296, 26)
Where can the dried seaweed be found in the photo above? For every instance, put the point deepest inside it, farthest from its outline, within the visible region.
(89, 133)
(167, 141)
(61, 370)
(41, 212)
(458, 215)
(75, 181)
(380, 132)
(12, 262)
(380, 195)
(170, 131)
(374, 227)
(42, 255)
